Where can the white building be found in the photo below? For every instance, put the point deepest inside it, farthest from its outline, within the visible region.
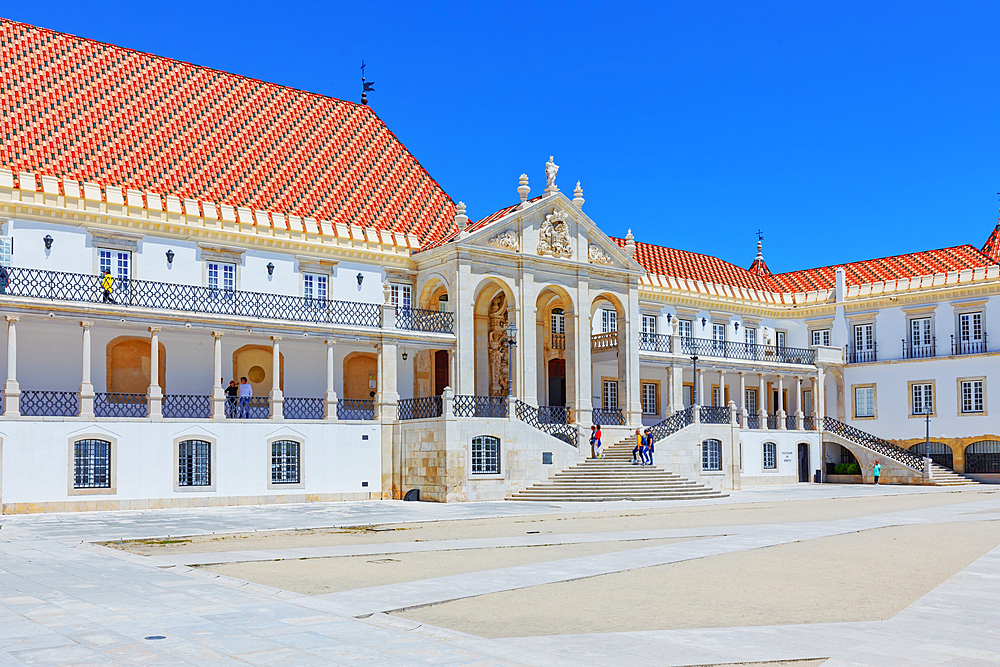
(249, 230)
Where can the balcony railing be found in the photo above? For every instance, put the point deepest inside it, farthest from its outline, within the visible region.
(772, 422)
(911, 351)
(608, 417)
(968, 346)
(706, 347)
(554, 414)
(809, 423)
(603, 342)
(651, 342)
(862, 356)
(120, 405)
(353, 408)
(672, 424)
(791, 422)
(423, 407)
(753, 421)
(714, 414)
(302, 408)
(480, 406)
(186, 406)
(49, 403)
(419, 319)
(558, 341)
(86, 288)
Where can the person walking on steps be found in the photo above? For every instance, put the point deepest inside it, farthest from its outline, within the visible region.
(637, 453)
(876, 471)
(649, 447)
(597, 441)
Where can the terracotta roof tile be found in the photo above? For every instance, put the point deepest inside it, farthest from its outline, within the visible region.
(662, 261)
(80, 109)
(992, 246)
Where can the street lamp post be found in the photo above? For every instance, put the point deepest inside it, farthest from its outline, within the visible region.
(511, 342)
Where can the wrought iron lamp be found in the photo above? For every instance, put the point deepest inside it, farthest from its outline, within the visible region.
(170, 257)
(270, 268)
(404, 356)
(511, 342)
(48, 242)
(736, 327)
(361, 279)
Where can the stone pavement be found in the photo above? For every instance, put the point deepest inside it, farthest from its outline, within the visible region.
(66, 602)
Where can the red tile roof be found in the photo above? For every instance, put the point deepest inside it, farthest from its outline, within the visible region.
(992, 246)
(479, 224)
(759, 266)
(662, 261)
(77, 108)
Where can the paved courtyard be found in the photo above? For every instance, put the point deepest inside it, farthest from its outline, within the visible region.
(798, 575)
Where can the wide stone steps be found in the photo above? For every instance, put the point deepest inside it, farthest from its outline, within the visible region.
(614, 477)
(941, 476)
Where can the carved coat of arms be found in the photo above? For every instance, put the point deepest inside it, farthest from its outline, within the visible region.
(553, 238)
(598, 255)
(507, 239)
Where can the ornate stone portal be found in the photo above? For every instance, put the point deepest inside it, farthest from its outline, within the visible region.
(506, 240)
(497, 348)
(553, 237)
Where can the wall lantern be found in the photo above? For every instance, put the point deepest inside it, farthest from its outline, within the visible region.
(404, 356)
(704, 321)
(736, 326)
(361, 279)
(170, 257)
(48, 242)
(669, 317)
(270, 269)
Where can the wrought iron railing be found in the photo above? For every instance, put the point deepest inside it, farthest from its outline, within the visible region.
(791, 422)
(911, 351)
(968, 346)
(863, 356)
(772, 422)
(874, 443)
(423, 407)
(707, 347)
(608, 417)
(419, 319)
(86, 288)
(302, 408)
(186, 406)
(530, 415)
(116, 404)
(714, 414)
(248, 407)
(356, 408)
(753, 421)
(651, 342)
(480, 406)
(49, 403)
(604, 341)
(554, 414)
(809, 423)
(558, 341)
(672, 424)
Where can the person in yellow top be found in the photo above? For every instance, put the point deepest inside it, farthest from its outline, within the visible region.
(637, 450)
(107, 283)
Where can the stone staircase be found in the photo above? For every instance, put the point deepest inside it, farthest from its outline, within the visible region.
(615, 478)
(941, 476)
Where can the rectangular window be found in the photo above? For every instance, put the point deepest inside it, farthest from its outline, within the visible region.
(649, 398)
(686, 395)
(751, 401)
(718, 332)
(920, 332)
(750, 336)
(864, 402)
(717, 396)
(194, 463)
(864, 337)
(118, 264)
(970, 327)
(610, 398)
(779, 338)
(222, 276)
(400, 295)
(711, 454)
(6, 251)
(684, 328)
(609, 321)
(770, 456)
(284, 462)
(922, 399)
(649, 324)
(972, 396)
(485, 455)
(807, 402)
(820, 336)
(558, 321)
(91, 464)
(315, 286)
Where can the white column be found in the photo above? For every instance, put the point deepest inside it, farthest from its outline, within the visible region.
(799, 415)
(154, 395)
(218, 395)
(330, 397)
(722, 387)
(276, 397)
(464, 380)
(815, 400)
(781, 405)
(762, 401)
(11, 390)
(387, 397)
(820, 399)
(701, 388)
(743, 400)
(86, 388)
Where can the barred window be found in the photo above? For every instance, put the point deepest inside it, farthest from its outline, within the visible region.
(485, 455)
(91, 464)
(711, 454)
(194, 463)
(770, 456)
(284, 462)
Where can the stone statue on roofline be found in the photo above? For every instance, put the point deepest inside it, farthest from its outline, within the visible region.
(551, 169)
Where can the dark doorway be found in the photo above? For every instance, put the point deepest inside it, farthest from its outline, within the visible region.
(803, 462)
(440, 371)
(557, 382)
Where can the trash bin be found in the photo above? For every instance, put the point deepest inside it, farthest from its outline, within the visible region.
(818, 477)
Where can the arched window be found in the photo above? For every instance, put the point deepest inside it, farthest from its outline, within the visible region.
(194, 463)
(558, 321)
(940, 453)
(91, 464)
(983, 456)
(770, 456)
(711, 454)
(485, 455)
(285, 462)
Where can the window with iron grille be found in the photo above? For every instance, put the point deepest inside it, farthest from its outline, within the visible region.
(315, 286)
(922, 398)
(285, 462)
(485, 455)
(711, 454)
(820, 336)
(750, 336)
(684, 328)
(770, 456)
(609, 321)
(194, 463)
(972, 396)
(558, 321)
(649, 398)
(91, 464)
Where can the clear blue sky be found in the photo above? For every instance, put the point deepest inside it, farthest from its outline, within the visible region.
(844, 131)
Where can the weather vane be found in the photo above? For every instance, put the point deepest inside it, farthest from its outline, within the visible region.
(366, 86)
(760, 235)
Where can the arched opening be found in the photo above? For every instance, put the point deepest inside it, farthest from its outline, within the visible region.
(493, 311)
(803, 462)
(556, 328)
(711, 454)
(983, 457)
(939, 453)
(360, 376)
(128, 366)
(441, 371)
(254, 362)
(431, 368)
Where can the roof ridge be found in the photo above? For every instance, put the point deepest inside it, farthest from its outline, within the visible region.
(967, 246)
(992, 246)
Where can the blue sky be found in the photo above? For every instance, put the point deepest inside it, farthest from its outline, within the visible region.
(844, 131)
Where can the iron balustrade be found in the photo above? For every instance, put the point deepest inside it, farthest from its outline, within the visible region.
(423, 407)
(753, 421)
(651, 342)
(86, 288)
(728, 349)
(49, 403)
(911, 351)
(809, 423)
(419, 319)
(480, 406)
(856, 356)
(959, 347)
(259, 408)
(772, 422)
(554, 414)
(604, 341)
(938, 452)
(608, 417)
(186, 406)
(558, 341)
(714, 414)
(302, 408)
(791, 423)
(115, 404)
(356, 409)
(874, 443)
(672, 424)
(561, 430)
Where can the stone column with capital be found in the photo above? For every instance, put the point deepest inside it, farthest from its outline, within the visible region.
(330, 396)
(743, 399)
(86, 388)
(11, 390)
(762, 402)
(154, 395)
(781, 404)
(799, 415)
(276, 397)
(218, 393)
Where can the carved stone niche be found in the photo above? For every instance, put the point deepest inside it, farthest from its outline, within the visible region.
(553, 237)
(505, 240)
(597, 255)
